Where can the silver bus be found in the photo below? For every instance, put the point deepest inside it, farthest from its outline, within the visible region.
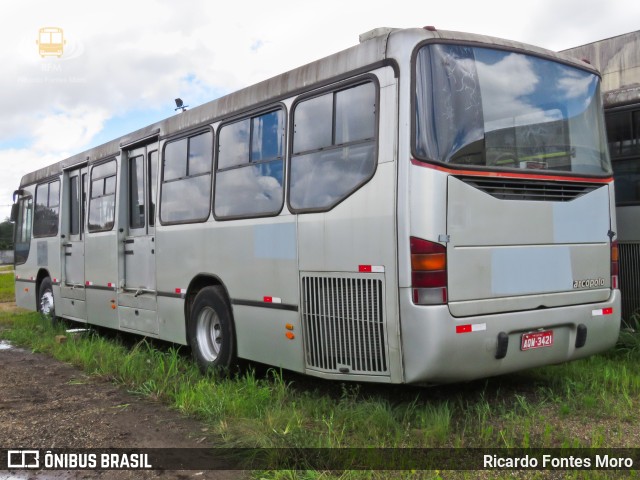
(424, 207)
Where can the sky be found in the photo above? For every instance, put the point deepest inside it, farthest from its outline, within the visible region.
(124, 62)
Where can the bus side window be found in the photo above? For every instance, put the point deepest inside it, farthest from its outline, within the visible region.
(102, 198)
(23, 230)
(185, 195)
(250, 169)
(333, 147)
(136, 192)
(46, 212)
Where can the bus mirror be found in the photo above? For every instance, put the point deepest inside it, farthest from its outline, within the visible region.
(16, 194)
(14, 213)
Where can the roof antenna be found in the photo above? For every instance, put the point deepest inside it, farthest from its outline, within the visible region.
(180, 105)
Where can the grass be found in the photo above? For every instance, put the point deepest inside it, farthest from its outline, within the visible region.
(587, 403)
(6, 286)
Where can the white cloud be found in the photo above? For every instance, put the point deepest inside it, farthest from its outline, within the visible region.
(505, 84)
(575, 84)
(66, 131)
(12, 166)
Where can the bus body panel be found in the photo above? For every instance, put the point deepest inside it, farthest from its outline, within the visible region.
(180, 254)
(264, 245)
(262, 304)
(171, 319)
(333, 252)
(47, 256)
(501, 248)
(435, 353)
(476, 218)
(26, 294)
(72, 308)
(101, 278)
(335, 248)
(265, 340)
(139, 320)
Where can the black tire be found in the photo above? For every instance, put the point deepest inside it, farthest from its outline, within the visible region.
(210, 331)
(46, 303)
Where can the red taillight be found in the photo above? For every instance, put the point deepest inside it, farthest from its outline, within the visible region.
(614, 264)
(428, 272)
(429, 279)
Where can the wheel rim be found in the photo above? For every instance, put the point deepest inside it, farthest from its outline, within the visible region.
(47, 306)
(209, 334)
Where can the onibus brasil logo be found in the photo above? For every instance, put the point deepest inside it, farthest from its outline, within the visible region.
(51, 42)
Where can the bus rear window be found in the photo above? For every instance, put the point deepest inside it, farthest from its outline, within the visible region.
(486, 108)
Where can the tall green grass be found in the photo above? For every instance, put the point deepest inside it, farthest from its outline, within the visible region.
(279, 409)
(7, 291)
(250, 410)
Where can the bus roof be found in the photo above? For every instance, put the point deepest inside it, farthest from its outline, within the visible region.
(381, 46)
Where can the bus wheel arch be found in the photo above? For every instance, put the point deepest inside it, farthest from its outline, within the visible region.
(209, 325)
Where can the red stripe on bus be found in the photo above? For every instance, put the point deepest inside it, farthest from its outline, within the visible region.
(529, 176)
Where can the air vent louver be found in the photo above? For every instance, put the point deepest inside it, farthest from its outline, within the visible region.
(519, 189)
(344, 325)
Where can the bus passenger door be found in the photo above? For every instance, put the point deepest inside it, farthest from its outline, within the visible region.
(138, 301)
(72, 288)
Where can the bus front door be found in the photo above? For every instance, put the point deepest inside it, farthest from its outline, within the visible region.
(72, 287)
(137, 302)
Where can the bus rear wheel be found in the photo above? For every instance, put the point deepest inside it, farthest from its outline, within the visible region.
(46, 304)
(210, 331)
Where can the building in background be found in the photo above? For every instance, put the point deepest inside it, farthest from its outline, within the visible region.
(618, 59)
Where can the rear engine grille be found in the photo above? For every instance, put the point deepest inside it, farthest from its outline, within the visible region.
(344, 324)
(517, 189)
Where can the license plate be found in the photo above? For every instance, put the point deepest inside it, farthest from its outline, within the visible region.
(536, 340)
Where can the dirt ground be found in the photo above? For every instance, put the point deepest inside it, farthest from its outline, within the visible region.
(48, 404)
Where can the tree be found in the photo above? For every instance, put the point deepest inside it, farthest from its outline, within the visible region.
(6, 235)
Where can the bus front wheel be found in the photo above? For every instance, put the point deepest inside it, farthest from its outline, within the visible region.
(211, 333)
(46, 304)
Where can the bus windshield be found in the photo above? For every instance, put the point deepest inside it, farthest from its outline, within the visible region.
(486, 108)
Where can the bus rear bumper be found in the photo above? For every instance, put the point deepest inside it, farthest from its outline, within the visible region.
(440, 348)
